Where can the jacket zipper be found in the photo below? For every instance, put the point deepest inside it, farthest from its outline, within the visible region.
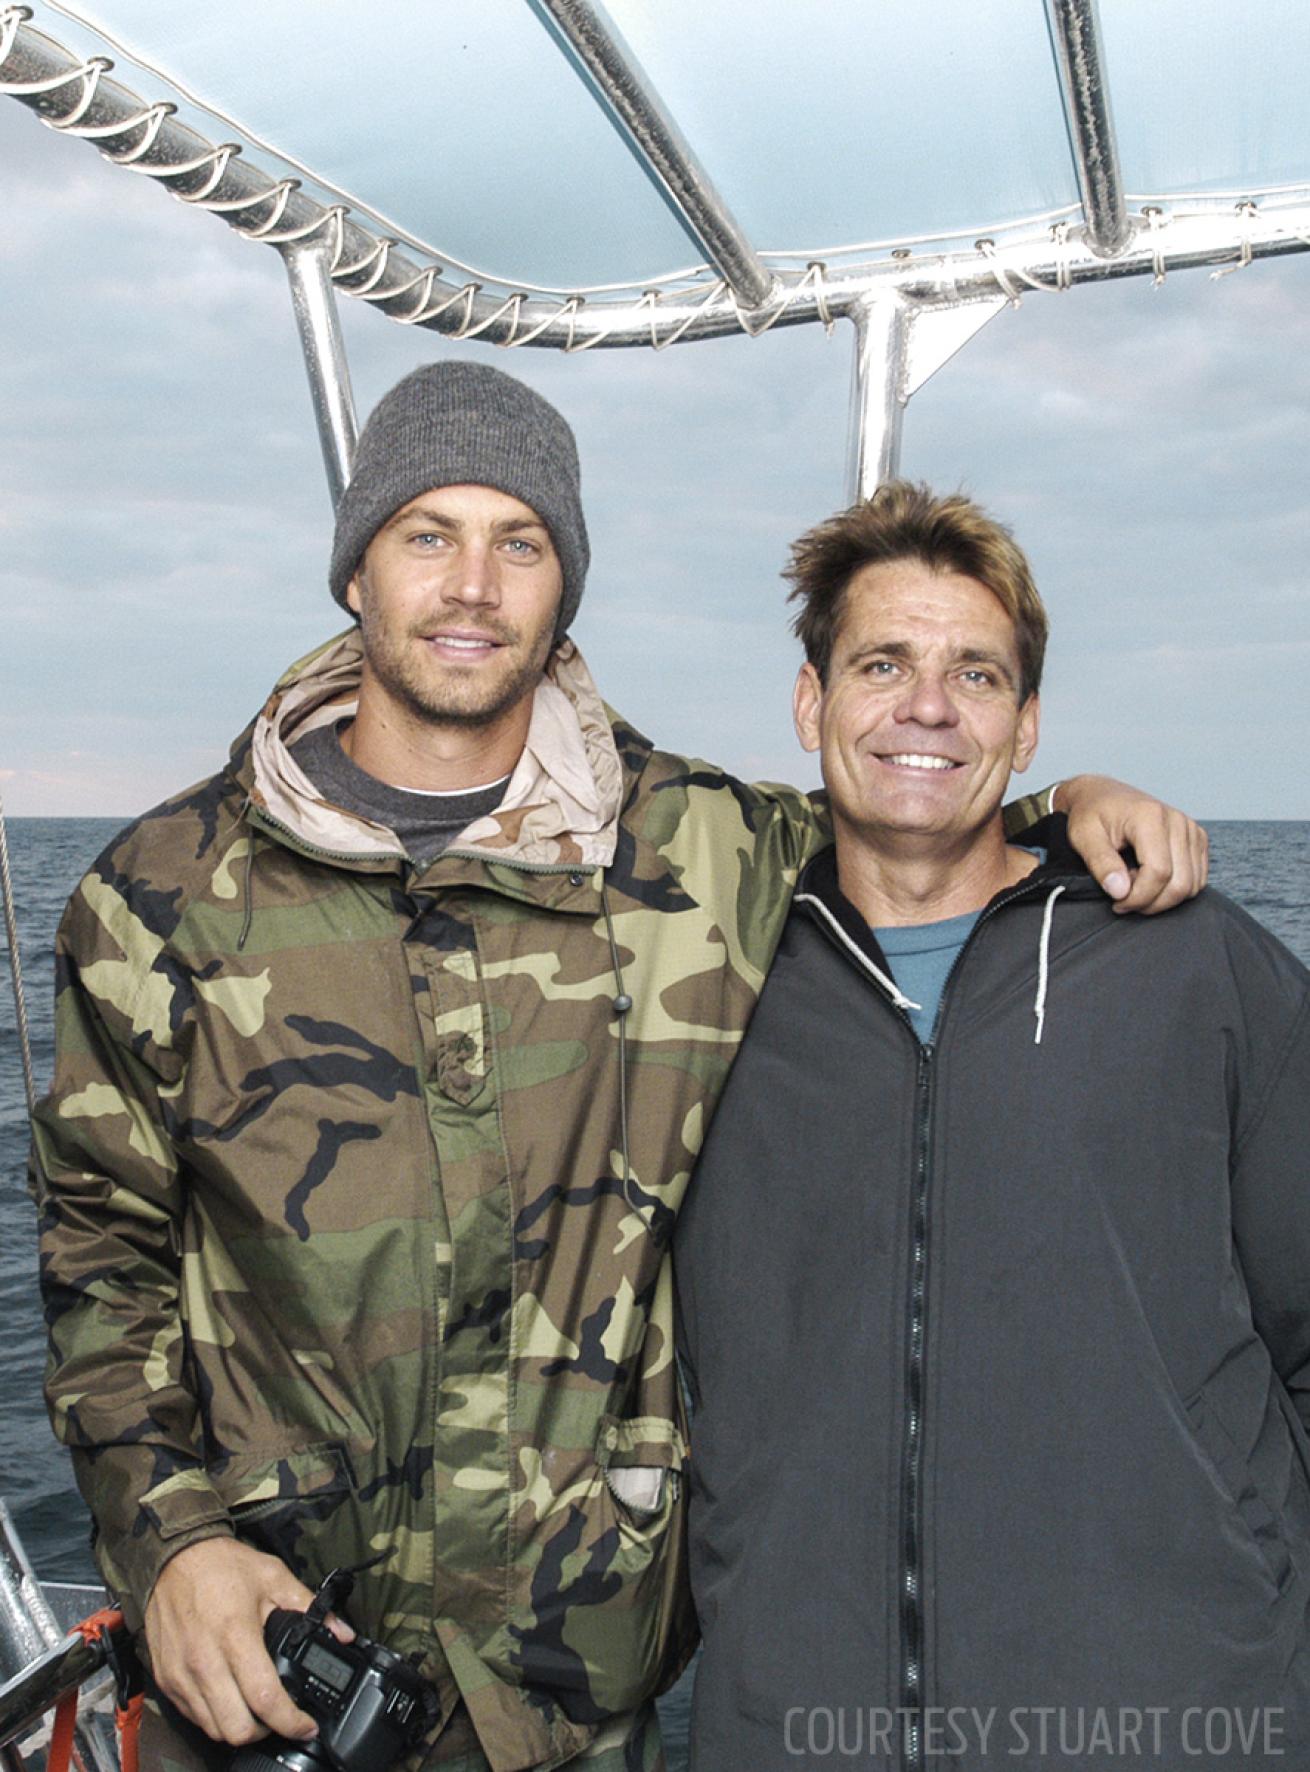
(257, 815)
(912, 1444)
(911, 1588)
(911, 1524)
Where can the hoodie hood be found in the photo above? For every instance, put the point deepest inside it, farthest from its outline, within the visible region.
(819, 893)
(560, 808)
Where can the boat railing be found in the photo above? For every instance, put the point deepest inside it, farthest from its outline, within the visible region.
(43, 1657)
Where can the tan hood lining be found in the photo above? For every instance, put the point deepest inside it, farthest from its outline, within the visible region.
(561, 806)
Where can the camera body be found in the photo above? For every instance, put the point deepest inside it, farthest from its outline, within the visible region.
(370, 1704)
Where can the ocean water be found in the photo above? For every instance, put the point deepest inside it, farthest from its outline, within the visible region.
(1264, 866)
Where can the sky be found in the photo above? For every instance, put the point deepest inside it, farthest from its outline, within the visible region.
(165, 524)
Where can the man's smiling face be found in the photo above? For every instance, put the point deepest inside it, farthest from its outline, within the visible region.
(457, 597)
(919, 723)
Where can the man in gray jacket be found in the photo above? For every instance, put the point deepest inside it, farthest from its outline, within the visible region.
(994, 1278)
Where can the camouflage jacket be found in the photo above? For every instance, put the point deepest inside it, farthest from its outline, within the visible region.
(359, 1184)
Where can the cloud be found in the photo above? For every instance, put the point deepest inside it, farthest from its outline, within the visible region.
(165, 525)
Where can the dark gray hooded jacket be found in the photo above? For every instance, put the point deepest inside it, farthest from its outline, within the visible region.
(1000, 1350)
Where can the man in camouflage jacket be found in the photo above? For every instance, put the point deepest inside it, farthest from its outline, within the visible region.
(358, 1174)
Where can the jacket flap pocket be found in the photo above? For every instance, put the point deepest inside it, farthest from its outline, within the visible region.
(250, 1479)
(182, 1502)
(642, 1440)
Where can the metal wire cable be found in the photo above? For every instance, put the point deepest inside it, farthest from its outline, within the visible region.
(16, 965)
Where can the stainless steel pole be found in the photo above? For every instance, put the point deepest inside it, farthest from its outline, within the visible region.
(1076, 33)
(882, 334)
(319, 325)
(38, 1663)
(661, 146)
(54, 83)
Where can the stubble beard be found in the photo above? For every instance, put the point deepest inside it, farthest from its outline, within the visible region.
(458, 700)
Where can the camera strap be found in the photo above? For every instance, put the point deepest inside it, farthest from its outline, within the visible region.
(336, 1588)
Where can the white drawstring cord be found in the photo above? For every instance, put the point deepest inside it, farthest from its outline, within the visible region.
(1044, 964)
(890, 985)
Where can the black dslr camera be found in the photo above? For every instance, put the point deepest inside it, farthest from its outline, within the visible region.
(370, 1704)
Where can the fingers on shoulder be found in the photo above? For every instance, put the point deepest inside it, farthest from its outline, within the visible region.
(1173, 860)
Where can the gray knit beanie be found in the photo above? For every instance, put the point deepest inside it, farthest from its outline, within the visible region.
(464, 424)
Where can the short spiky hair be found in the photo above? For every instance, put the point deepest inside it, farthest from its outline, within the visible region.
(902, 521)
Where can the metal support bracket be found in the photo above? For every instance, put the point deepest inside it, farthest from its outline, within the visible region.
(319, 325)
(898, 346)
(38, 1662)
(937, 333)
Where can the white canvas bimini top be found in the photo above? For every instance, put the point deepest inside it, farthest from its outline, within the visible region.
(833, 130)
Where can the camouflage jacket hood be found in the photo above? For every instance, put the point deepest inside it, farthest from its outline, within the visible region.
(561, 804)
(359, 1181)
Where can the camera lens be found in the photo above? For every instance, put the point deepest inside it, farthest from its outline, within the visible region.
(275, 1754)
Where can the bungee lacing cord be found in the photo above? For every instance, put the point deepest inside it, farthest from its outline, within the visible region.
(1248, 212)
(16, 967)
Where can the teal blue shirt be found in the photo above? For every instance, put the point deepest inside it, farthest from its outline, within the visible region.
(921, 956)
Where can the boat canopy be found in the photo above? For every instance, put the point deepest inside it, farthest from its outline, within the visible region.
(562, 173)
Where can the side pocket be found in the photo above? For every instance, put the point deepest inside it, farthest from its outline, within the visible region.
(250, 1480)
(1296, 1432)
(642, 1460)
(277, 1498)
(640, 1489)
(606, 1620)
(1248, 1504)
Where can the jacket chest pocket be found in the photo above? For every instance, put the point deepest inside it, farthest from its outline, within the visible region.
(455, 1027)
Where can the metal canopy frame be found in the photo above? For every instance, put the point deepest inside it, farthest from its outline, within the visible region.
(910, 309)
(589, 32)
(324, 350)
(1076, 35)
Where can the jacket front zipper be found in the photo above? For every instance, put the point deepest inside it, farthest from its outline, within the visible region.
(912, 1446)
(910, 1573)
